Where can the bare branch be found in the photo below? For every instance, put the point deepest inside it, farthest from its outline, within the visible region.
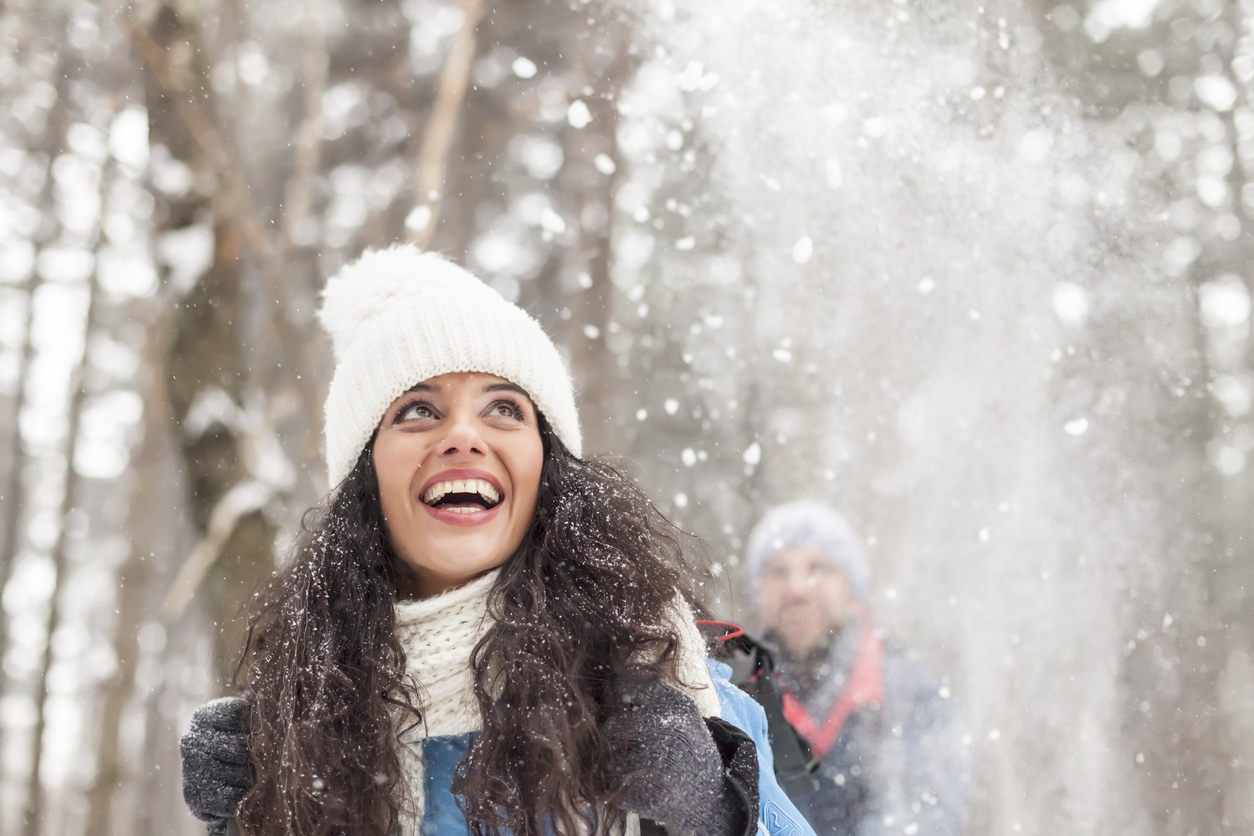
(308, 136)
(243, 213)
(235, 504)
(437, 136)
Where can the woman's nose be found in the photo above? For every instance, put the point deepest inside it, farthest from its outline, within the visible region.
(462, 436)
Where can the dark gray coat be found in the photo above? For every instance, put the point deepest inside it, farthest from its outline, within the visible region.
(898, 768)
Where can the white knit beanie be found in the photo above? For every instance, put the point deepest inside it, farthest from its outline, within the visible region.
(813, 525)
(398, 317)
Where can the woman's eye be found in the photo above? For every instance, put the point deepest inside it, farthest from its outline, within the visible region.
(416, 411)
(506, 409)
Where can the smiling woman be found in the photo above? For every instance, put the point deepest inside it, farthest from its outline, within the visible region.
(481, 632)
(458, 459)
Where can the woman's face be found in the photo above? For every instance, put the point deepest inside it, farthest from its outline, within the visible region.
(458, 458)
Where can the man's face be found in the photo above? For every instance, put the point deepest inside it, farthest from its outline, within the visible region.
(805, 598)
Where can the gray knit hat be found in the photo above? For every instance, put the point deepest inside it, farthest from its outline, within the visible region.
(805, 523)
(399, 316)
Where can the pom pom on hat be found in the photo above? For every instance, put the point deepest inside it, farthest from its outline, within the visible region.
(808, 524)
(378, 281)
(399, 316)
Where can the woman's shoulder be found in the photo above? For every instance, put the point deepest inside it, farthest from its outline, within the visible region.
(735, 706)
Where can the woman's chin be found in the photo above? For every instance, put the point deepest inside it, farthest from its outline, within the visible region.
(457, 562)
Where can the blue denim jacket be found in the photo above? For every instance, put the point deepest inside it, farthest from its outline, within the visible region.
(777, 816)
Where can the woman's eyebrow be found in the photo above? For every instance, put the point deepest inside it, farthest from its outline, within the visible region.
(421, 387)
(506, 387)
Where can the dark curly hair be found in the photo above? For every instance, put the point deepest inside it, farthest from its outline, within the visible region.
(586, 598)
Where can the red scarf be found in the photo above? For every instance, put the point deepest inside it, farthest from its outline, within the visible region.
(865, 687)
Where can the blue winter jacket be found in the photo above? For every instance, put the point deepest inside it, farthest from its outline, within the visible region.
(777, 816)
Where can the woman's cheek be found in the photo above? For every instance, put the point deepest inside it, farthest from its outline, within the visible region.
(393, 486)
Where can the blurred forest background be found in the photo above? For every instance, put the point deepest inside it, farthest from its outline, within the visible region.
(978, 273)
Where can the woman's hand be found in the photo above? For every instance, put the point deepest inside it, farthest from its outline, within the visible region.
(217, 770)
(675, 776)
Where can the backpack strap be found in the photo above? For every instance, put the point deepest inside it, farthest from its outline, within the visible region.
(754, 673)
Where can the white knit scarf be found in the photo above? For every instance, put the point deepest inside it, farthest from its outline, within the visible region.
(438, 635)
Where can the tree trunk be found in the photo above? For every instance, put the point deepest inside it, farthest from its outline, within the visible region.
(14, 495)
(32, 818)
(210, 348)
(14, 499)
(147, 508)
(603, 62)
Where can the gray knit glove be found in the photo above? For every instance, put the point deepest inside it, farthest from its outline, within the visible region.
(674, 773)
(217, 770)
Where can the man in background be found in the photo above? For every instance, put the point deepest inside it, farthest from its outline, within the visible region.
(889, 746)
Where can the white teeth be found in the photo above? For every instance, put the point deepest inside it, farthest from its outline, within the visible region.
(480, 486)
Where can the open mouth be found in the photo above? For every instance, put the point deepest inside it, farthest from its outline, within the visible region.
(464, 496)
